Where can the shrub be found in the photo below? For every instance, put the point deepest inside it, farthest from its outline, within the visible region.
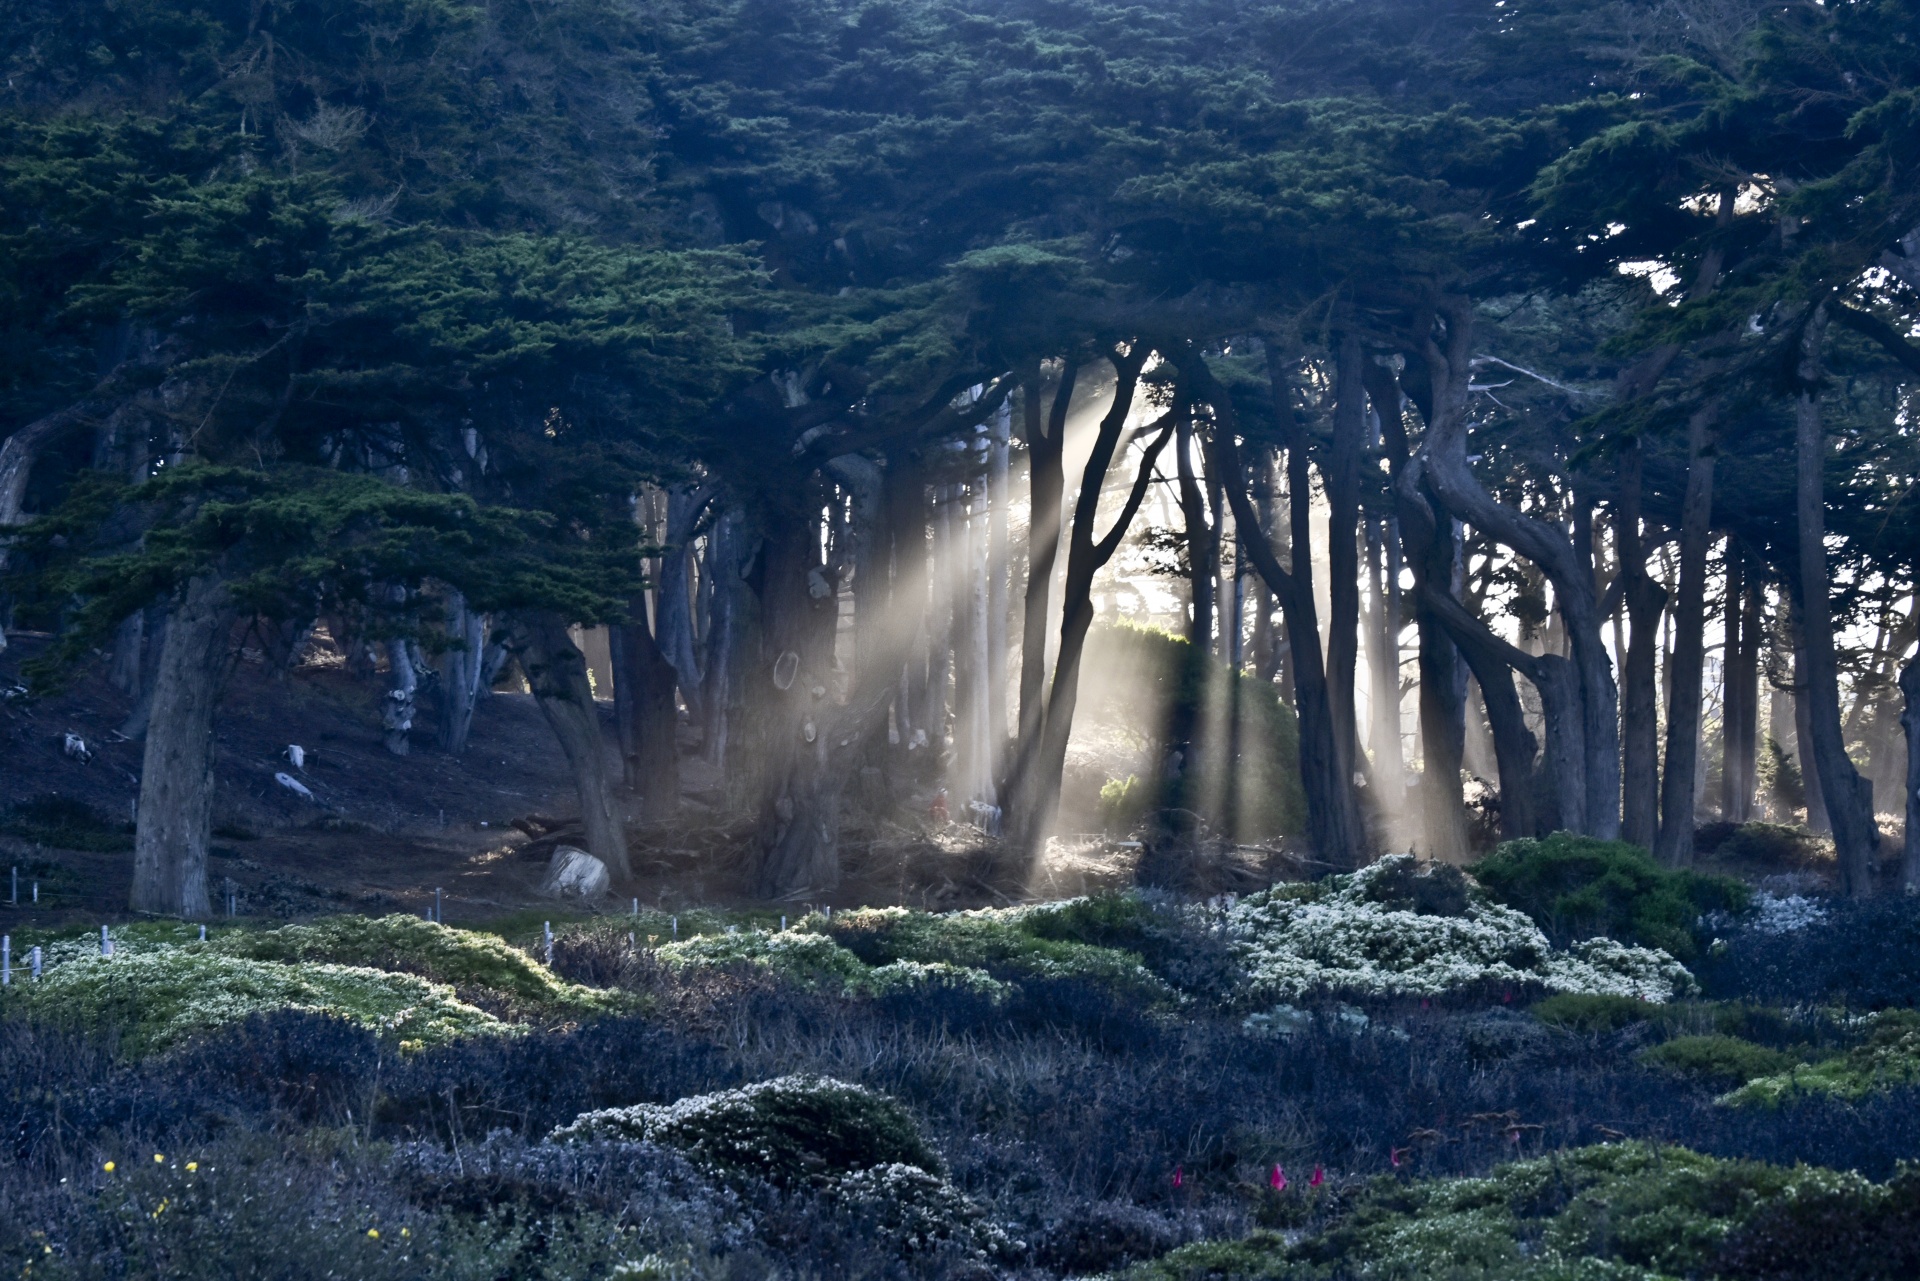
(1769, 845)
(791, 1131)
(1342, 939)
(1723, 1059)
(154, 999)
(993, 940)
(407, 944)
(1612, 1213)
(1173, 941)
(1862, 955)
(1592, 1012)
(920, 1212)
(1577, 887)
(1832, 1230)
(1889, 1056)
(815, 962)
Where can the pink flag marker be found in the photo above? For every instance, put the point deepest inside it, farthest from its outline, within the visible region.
(1278, 1180)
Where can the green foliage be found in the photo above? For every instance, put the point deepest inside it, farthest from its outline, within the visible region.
(990, 939)
(793, 1131)
(1628, 1212)
(1888, 1056)
(1592, 1012)
(480, 965)
(1577, 887)
(154, 999)
(1724, 1059)
(816, 962)
(1123, 802)
(1768, 845)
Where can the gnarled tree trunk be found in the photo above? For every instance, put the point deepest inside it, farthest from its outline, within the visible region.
(1684, 690)
(176, 775)
(556, 672)
(1848, 796)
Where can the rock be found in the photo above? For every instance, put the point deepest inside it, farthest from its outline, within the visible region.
(293, 785)
(574, 873)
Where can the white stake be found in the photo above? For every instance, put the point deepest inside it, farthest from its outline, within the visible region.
(6, 960)
(547, 927)
(106, 942)
(35, 955)
(203, 933)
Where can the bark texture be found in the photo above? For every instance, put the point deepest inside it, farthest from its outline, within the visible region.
(176, 775)
(556, 672)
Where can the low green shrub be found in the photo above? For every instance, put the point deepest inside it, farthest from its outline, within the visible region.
(1889, 1056)
(1725, 1059)
(816, 962)
(1609, 1213)
(155, 999)
(1591, 1012)
(1768, 845)
(1576, 887)
(463, 959)
(792, 1131)
(994, 940)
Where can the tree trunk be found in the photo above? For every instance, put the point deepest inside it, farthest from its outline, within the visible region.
(1383, 679)
(1334, 820)
(1737, 693)
(460, 669)
(1849, 797)
(1342, 479)
(1036, 783)
(1803, 733)
(1640, 702)
(1203, 546)
(720, 691)
(999, 584)
(1910, 722)
(799, 830)
(1685, 689)
(1543, 543)
(396, 718)
(556, 672)
(673, 608)
(1046, 487)
(176, 776)
(649, 741)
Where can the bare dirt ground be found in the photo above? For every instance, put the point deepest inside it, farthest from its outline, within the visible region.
(382, 832)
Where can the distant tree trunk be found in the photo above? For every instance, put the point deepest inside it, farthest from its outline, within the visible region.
(673, 608)
(556, 672)
(1568, 565)
(396, 719)
(1910, 722)
(460, 669)
(1848, 797)
(1383, 678)
(1047, 485)
(940, 626)
(1036, 785)
(1442, 709)
(1645, 600)
(1685, 689)
(1803, 732)
(176, 777)
(648, 737)
(905, 501)
(1342, 479)
(720, 691)
(999, 586)
(1738, 697)
(1203, 546)
(799, 830)
(145, 645)
(1334, 820)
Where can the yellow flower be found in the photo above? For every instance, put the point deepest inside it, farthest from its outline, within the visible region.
(374, 1233)
(108, 1167)
(192, 1166)
(405, 1233)
(158, 1159)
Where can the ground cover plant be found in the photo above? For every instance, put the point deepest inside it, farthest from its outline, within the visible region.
(1101, 1084)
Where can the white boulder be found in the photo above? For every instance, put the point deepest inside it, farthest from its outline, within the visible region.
(574, 873)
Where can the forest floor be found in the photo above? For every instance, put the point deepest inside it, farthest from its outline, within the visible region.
(381, 833)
